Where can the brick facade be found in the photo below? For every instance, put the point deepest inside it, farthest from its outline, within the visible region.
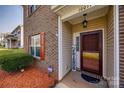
(43, 20)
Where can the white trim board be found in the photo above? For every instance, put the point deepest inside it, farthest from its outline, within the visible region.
(59, 48)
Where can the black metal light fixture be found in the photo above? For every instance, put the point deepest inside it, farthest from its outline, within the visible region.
(85, 22)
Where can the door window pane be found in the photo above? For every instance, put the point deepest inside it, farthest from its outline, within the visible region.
(77, 43)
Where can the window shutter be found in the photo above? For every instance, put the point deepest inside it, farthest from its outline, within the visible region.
(42, 46)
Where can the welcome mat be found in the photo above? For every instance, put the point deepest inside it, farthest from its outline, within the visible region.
(90, 79)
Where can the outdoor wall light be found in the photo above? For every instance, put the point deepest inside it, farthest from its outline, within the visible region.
(85, 22)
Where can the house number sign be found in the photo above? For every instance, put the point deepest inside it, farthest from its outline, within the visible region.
(85, 7)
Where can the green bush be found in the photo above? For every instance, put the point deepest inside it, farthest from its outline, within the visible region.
(14, 61)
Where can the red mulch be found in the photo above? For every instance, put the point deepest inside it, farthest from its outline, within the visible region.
(30, 78)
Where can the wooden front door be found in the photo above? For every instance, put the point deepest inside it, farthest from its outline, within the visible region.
(91, 52)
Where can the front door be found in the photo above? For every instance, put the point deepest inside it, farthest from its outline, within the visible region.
(91, 52)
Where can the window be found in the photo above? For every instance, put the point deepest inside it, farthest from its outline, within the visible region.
(15, 34)
(35, 46)
(32, 8)
(19, 32)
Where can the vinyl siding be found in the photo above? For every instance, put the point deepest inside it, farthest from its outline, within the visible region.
(110, 47)
(121, 44)
(66, 47)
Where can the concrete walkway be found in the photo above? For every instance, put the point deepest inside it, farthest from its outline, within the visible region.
(74, 80)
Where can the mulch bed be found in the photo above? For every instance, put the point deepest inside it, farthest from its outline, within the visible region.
(32, 77)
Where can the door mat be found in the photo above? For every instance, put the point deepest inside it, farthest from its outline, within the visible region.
(90, 79)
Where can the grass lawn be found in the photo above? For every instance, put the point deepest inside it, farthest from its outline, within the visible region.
(8, 51)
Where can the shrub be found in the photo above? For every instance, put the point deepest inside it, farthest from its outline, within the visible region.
(12, 62)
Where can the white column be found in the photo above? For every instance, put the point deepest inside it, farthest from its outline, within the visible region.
(60, 74)
(10, 43)
(7, 43)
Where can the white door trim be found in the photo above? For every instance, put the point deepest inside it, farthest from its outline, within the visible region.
(77, 53)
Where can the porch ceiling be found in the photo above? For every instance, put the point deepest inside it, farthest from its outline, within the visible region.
(11, 37)
(91, 15)
(70, 12)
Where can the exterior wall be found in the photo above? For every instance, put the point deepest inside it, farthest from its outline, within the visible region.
(19, 34)
(121, 43)
(110, 47)
(44, 20)
(66, 47)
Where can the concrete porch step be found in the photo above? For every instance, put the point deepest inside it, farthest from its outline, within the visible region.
(61, 85)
